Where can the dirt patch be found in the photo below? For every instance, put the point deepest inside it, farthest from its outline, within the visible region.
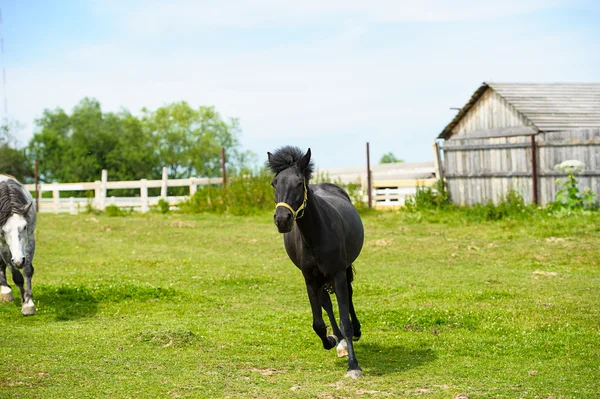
(267, 371)
(541, 273)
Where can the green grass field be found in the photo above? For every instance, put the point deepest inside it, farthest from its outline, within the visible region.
(183, 306)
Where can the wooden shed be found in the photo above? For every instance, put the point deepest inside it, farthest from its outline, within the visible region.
(510, 136)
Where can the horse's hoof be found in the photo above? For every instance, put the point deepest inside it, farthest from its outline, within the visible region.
(28, 310)
(342, 348)
(7, 297)
(6, 294)
(354, 374)
(356, 337)
(332, 342)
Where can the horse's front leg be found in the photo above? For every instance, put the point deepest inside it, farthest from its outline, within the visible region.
(6, 294)
(342, 348)
(343, 298)
(28, 307)
(314, 291)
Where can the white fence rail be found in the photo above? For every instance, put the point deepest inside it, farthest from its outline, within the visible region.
(391, 185)
(100, 201)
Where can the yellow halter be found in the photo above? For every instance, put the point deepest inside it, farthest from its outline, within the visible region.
(296, 213)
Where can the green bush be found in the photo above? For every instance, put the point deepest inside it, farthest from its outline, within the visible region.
(163, 206)
(113, 210)
(428, 198)
(250, 194)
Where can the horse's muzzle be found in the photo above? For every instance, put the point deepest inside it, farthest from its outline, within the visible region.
(284, 220)
(18, 262)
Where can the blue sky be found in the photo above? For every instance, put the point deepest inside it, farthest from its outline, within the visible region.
(330, 75)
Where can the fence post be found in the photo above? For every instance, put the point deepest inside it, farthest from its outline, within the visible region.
(56, 197)
(145, 207)
(223, 170)
(72, 209)
(100, 191)
(534, 175)
(36, 180)
(193, 187)
(163, 185)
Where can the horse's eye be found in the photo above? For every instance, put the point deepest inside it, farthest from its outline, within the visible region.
(273, 183)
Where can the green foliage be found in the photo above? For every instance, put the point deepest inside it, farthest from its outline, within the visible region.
(510, 207)
(389, 157)
(188, 141)
(163, 206)
(77, 147)
(13, 161)
(247, 194)
(114, 210)
(433, 205)
(569, 196)
(428, 198)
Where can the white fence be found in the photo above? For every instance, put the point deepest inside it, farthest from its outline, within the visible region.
(391, 184)
(100, 201)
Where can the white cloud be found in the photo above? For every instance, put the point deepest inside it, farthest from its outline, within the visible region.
(146, 17)
(395, 93)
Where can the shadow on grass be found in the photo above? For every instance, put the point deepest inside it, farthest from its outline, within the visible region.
(74, 302)
(378, 359)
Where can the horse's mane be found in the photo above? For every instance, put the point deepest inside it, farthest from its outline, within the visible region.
(12, 200)
(286, 157)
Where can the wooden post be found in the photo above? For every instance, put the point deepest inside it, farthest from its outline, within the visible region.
(223, 171)
(102, 205)
(437, 161)
(36, 181)
(534, 173)
(145, 207)
(163, 186)
(56, 197)
(72, 209)
(369, 188)
(193, 187)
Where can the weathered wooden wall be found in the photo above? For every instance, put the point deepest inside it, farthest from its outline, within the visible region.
(491, 111)
(478, 170)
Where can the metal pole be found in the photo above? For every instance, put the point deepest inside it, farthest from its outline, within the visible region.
(534, 169)
(223, 171)
(36, 181)
(369, 190)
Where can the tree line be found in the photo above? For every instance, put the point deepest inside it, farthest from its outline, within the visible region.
(76, 146)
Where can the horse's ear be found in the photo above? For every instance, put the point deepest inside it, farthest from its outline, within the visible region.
(304, 161)
(26, 208)
(270, 157)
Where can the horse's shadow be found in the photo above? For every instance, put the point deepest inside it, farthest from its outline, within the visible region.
(377, 359)
(66, 303)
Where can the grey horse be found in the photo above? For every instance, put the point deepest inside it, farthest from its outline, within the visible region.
(17, 243)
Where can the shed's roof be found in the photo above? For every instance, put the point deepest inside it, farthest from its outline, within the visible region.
(549, 106)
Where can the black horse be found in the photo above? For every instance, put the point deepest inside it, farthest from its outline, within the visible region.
(323, 235)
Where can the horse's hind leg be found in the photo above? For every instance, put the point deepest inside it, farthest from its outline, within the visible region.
(314, 291)
(355, 322)
(6, 294)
